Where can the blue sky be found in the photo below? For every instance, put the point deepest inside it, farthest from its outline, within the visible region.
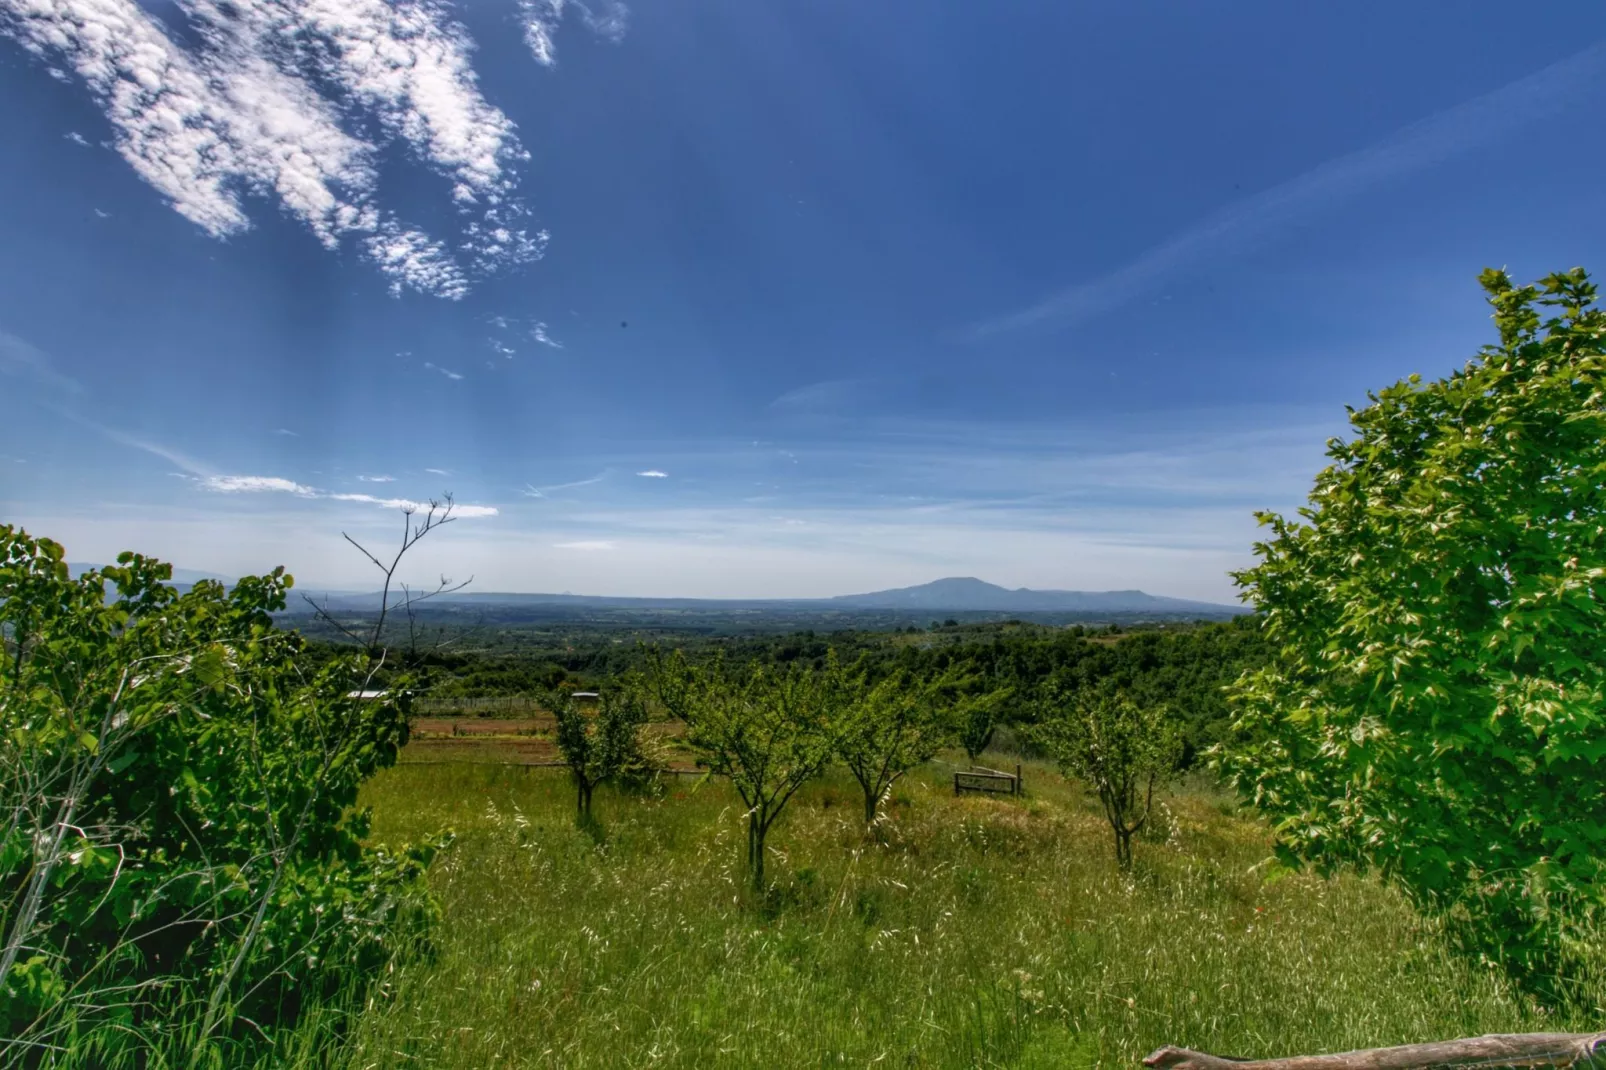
(727, 298)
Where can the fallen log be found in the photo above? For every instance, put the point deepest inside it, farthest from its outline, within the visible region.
(1495, 1050)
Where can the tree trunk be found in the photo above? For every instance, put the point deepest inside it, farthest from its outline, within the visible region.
(755, 849)
(1123, 848)
(1557, 1050)
(871, 800)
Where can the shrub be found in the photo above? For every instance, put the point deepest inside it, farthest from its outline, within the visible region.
(177, 786)
(1436, 707)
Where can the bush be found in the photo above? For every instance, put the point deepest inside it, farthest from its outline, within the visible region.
(181, 852)
(1436, 708)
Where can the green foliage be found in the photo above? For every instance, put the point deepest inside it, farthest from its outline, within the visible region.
(972, 697)
(180, 839)
(1118, 747)
(601, 744)
(769, 730)
(1437, 707)
(890, 727)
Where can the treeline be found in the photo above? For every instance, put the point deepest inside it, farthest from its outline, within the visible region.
(1183, 668)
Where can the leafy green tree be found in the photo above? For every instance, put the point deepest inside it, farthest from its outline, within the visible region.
(770, 729)
(1436, 710)
(601, 744)
(1120, 748)
(891, 727)
(179, 842)
(976, 700)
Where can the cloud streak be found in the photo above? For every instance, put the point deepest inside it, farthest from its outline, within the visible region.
(277, 485)
(530, 491)
(454, 376)
(293, 101)
(21, 359)
(1243, 224)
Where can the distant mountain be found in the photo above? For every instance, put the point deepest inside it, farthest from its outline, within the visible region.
(960, 594)
(955, 594)
(182, 577)
(970, 594)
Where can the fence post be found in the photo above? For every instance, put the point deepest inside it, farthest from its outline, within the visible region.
(1020, 789)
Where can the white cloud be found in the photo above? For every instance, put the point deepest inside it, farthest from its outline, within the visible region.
(541, 18)
(76, 138)
(292, 100)
(437, 471)
(102, 215)
(653, 473)
(285, 431)
(454, 376)
(500, 347)
(254, 484)
(474, 512)
(469, 512)
(413, 259)
(539, 333)
(376, 479)
(586, 544)
(275, 484)
(541, 492)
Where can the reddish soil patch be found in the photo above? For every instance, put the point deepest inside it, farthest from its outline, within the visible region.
(457, 727)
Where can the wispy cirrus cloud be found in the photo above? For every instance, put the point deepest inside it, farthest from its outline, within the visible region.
(437, 471)
(1247, 222)
(293, 101)
(254, 484)
(22, 359)
(531, 491)
(653, 473)
(277, 485)
(541, 18)
(540, 333)
(587, 544)
(376, 479)
(454, 376)
(286, 432)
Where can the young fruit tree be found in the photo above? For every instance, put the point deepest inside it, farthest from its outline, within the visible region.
(769, 729)
(1436, 709)
(975, 700)
(1122, 749)
(892, 726)
(600, 744)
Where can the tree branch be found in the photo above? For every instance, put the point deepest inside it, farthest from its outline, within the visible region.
(1494, 1050)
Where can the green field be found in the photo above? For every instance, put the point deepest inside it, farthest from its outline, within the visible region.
(963, 932)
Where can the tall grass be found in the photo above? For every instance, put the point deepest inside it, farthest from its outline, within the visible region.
(964, 932)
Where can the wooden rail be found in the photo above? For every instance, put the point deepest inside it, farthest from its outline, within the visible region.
(1494, 1050)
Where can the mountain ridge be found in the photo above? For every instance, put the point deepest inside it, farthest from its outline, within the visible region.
(950, 594)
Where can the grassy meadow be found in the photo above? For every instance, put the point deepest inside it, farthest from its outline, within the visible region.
(962, 932)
